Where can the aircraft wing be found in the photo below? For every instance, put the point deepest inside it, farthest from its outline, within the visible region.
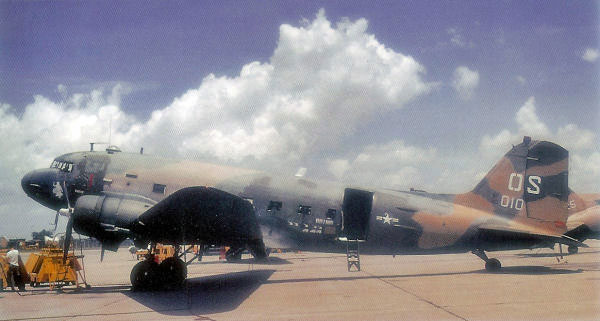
(492, 234)
(201, 215)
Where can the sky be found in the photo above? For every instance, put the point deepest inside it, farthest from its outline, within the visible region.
(423, 94)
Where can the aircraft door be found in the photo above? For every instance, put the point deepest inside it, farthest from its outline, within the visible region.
(356, 211)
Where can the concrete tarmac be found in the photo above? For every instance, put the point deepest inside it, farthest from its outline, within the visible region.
(532, 285)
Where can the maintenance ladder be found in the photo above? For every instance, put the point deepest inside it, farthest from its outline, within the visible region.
(353, 254)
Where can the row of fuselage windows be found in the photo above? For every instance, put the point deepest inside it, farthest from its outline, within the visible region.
(63, 166)
(275, 206)
(272, 208)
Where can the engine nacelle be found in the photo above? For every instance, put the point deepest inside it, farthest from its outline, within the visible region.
(108, 216)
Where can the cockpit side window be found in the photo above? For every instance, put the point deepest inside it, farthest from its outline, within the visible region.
(63, 166)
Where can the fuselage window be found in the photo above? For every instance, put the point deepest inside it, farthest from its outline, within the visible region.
(130, 175)
(303, 210)
(159, 188)
(274, 206)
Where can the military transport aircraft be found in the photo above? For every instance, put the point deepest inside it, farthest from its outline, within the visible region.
(521, 203)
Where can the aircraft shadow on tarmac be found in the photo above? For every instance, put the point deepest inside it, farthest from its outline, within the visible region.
(209, 294)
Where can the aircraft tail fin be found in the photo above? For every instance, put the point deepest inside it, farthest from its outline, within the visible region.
(530, 181)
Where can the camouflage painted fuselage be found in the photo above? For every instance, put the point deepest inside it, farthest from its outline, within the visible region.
(521, 203)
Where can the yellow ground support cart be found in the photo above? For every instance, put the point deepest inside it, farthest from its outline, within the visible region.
(161, 253)
(47, 267)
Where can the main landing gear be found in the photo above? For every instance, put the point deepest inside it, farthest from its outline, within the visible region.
(491, 265)
(149, 275)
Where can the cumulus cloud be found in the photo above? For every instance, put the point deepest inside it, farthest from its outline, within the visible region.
(321, 84)
(465, 81)
(590, 55)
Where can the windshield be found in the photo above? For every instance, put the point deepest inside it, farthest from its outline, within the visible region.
(63, 166)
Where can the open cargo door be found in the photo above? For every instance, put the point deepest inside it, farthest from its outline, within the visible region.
(356, 211)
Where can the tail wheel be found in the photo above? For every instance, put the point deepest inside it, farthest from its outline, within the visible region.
(493, 265)
(572, 249)
(173, 273)
(143, 275)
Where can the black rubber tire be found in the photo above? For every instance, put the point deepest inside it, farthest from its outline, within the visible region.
(173, 273)
(143, 276)
(493, 265)
(572, 249)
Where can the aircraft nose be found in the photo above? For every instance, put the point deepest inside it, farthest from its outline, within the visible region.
(41, 185)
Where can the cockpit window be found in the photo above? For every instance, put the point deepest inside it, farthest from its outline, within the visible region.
(63, 166)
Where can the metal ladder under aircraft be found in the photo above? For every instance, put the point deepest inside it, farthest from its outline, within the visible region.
(353, 254)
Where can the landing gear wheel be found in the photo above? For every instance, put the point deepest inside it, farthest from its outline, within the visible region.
(234, 254)
(173, 273)
(493, 265)
(143, 275)
(572, 249)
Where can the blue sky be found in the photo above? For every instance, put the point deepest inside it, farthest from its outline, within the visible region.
(421, 93)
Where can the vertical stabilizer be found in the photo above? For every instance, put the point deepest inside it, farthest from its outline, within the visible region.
(530, 181)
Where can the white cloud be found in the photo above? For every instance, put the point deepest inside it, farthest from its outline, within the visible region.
(320, 84)
(528, 121)
(457, 39)
(464, 81)
(590, 55)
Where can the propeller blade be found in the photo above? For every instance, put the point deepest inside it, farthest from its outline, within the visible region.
(68, 235)
(102, 254)
(55, 222)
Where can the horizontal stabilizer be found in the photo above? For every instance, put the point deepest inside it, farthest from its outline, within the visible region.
(502, 235)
